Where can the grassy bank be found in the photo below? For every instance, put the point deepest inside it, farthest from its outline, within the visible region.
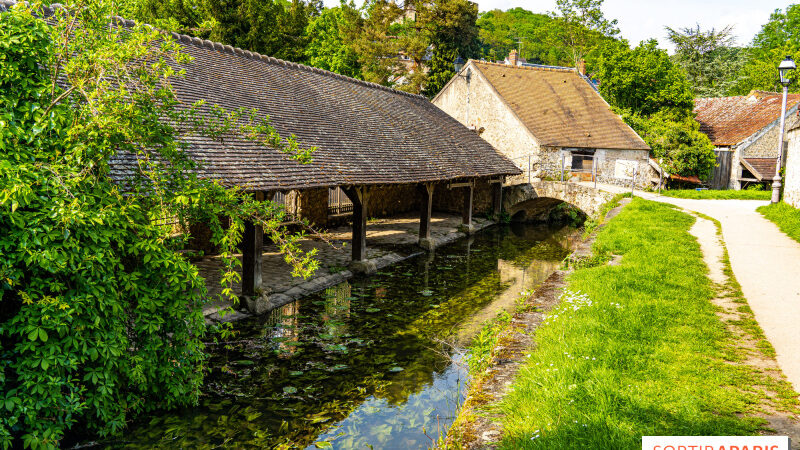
(785, 217)
(718, 195)
(634, 349)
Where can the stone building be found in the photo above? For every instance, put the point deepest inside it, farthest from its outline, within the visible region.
(744, 130)
(378, 152)
(545, 118)
(791, 188)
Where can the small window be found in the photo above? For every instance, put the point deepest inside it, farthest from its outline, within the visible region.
(582, 160)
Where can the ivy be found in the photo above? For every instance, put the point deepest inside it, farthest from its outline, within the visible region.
(100, 317)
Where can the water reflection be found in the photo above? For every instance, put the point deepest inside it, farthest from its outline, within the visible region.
(365, 362)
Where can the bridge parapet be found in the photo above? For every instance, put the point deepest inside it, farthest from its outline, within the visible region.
(537, 198)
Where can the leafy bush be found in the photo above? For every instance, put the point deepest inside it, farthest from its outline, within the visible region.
(675, 138)
(100, 319)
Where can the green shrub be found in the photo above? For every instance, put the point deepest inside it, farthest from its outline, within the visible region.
(100, 320)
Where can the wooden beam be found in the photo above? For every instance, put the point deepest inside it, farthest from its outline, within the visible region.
(497, 200)
(252, 247)
(466, 211)
(359, 195)
(425, 191)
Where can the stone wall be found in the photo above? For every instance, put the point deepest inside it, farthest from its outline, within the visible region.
(395, 199)
(791, 190)
(476, 105)
(313, 206)
(452, 200)
(535, 199)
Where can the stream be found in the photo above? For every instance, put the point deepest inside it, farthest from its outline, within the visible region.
(377, 361)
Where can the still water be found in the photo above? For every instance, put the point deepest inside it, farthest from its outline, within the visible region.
(377, 361)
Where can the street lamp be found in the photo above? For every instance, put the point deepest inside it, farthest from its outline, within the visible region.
(784, 69)
(459, 64)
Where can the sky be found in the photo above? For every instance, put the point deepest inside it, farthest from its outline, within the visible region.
(644, 19)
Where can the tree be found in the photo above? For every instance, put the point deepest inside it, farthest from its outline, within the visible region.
(373, 42)
(453, 31)
(710, 59)
(535, 36)
(644, 80)
(675, 139)
(654, 97)
(270, 27)
(100, 318)
(778, 38)
(328, 47)
(583, 26)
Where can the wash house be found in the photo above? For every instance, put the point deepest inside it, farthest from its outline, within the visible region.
(379, 151)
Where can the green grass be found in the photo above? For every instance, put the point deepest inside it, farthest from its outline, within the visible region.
(635, 349)
(785, 217)
(718, 195)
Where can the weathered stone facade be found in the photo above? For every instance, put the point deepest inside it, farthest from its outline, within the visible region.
(314, 206)
(452, 200)
(791, 190)
(527, 202)
(475, 103)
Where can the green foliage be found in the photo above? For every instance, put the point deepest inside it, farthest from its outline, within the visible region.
(452, 31)
(778, 38)
(328, 47)
(634, 349)
(676, 141)
(270, 27)
(583, 26)
(709, 194)
(100, 318)
(643, 80)
(709, 58)
(483, 344)
(536, 36)
(786, 217)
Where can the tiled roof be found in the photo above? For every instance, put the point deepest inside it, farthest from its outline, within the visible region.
(365, 133)
(559, 107)
(731, 120)
(764, 167)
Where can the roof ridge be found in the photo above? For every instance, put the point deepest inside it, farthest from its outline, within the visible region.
(224, 48)
(529, 67)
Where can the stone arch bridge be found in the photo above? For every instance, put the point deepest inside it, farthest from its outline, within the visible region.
(532, 201)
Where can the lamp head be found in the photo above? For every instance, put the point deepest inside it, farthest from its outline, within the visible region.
(785, 68)
(458, 64)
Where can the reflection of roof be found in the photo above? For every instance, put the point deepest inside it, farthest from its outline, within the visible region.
(559, 107)
(731, 120)
(761, 168)
(365, 133)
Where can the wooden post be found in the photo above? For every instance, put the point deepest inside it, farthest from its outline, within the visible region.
(466, 211)
(252, 246)
(497, 200)
(425, 211)
(359, 195)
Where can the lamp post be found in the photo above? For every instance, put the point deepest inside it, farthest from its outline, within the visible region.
(784, 69)
(459, 64)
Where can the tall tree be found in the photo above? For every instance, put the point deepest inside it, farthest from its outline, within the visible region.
(453, 31)
(779, 37)
(328, 47)
(370, 35)
(535, 36)
(644, 80)
(272, 27)
(583, 26)
(655, 98)
(710, 58)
